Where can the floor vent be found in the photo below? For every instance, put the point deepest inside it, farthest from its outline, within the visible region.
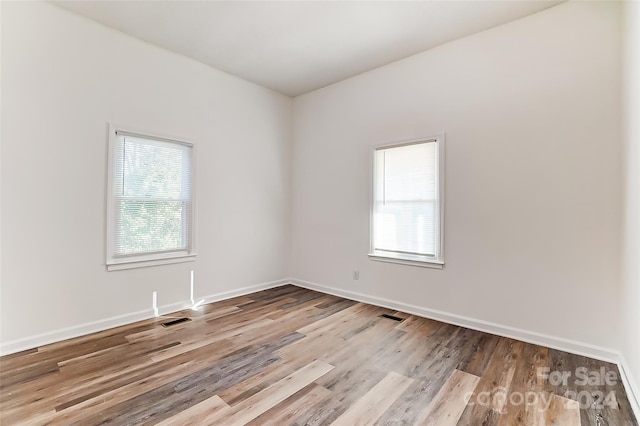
(392, 317)
(175, 322)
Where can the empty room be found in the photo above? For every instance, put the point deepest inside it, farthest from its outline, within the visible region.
(320, 213)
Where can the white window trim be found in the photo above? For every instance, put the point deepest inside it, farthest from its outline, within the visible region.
(437, 261)
(152, 259)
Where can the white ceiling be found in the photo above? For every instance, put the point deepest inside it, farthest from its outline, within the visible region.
(295, 47)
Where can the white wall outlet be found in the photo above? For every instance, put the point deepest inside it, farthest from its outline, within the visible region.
(356, 275)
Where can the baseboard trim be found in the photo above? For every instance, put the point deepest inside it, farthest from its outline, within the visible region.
(567, 345)
(244, 290)
(572, 346)
(59, 335)
(630, 385)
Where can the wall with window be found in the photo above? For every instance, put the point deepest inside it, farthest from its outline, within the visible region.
(63, 79)
(532, 187)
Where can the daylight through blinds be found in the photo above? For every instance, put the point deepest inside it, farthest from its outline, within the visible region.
(405, 199)
(152, 196)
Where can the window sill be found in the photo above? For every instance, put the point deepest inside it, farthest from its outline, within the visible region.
(131, 264)
(408, 260)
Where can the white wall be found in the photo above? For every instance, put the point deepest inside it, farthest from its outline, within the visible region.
(631, 138)
(63, 79)
(533, 182)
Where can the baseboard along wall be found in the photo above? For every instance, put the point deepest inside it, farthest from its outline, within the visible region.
(566, 345)
(575, 347)
(59, 335)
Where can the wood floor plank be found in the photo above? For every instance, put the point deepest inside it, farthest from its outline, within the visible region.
(333, 301)
(203, 413)
(31, 418)
(431, 366)
(265, 305)
(415, 357)
(273, 293)
(491, 393)
(478, 355)
(308, 349)
(309, 296)
(104, 393)
(349, 381)
(292, 356)
(161, 333)
(595, 411)
(259, 403)
(526, 389)
(115, 357)
(255, 384)
(286, 411)
(172, 397)
(148, 373)
(208, 340)
(327, 324)
(449, 404)
(415, 324)
(23, 375)
(562, 412)
(374, 403)
(142, 376)
(369, 318)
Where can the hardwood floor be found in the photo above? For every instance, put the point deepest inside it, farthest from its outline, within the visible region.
(294, 356)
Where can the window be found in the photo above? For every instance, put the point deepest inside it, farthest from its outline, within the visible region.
(407, 204)
(150, 202)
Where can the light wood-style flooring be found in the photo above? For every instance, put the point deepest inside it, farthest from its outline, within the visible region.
(291, 356)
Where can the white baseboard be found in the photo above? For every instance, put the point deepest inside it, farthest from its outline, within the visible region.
(244, 290)
(567, 345)
(572, 346)
(630, 385)
(61, 334)
(35, 341)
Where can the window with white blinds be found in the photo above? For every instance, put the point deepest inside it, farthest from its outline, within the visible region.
(407, 201)
(150, 200)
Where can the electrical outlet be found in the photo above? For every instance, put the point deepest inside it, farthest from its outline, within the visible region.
(356, 275)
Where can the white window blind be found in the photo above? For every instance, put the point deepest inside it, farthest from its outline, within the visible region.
(151, 198)
(406, 201)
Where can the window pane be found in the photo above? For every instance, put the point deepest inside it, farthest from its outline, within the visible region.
(409, 172)
(152, 196)
(406, 227)
(152, 169)
(150, 226)
(405, 201)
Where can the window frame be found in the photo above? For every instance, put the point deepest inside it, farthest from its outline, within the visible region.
(114, 263)
(436, 261)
